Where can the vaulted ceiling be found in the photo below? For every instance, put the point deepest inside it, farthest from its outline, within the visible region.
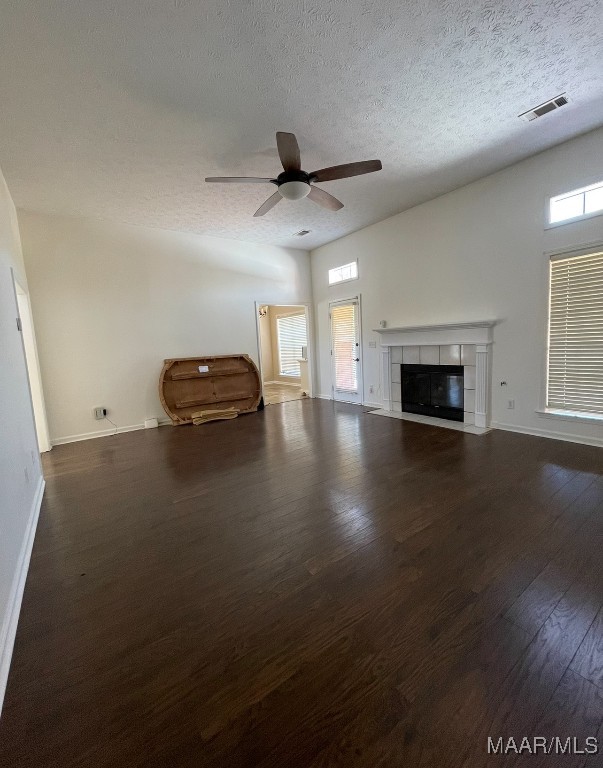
(118, 110)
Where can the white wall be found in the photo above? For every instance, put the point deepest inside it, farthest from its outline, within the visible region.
(21, 483)
(474, 254)
(111, 301)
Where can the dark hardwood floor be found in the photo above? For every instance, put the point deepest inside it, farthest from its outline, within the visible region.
(310, 586)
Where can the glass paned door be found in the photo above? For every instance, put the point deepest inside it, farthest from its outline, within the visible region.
(345, 351)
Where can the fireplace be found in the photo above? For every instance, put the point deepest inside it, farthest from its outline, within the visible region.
(466, 346)
(433, 390)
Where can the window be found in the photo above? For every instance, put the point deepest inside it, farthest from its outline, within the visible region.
(291, 332)
(575, 359)
(575, 204)
(341, 274)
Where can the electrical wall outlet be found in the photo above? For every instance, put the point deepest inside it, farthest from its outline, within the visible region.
(100, 413)
(511, 404)
(371, 390)
(373, 344)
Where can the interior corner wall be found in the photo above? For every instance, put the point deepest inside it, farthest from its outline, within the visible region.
(21, 481)
(111, 302)
(478, 253)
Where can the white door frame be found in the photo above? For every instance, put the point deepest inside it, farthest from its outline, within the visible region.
(310, 336)
(348, 300)
(34, 378)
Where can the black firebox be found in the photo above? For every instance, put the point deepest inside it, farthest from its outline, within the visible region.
(433, 390)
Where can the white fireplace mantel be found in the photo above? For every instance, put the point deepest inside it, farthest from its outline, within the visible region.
(479, 332)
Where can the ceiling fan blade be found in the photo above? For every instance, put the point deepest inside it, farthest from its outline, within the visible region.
(239, 180)
(323, 198)
(270, 203)
(288, 151)
(345, 171)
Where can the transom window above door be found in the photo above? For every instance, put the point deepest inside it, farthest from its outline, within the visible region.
(344, 273)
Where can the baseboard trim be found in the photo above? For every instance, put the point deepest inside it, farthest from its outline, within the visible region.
(103, 433)
(10, 621)
(568, 438)
(373, 405)
(323, 397)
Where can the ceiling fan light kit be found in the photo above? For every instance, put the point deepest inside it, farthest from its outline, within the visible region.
(295, 184)
(294, 190)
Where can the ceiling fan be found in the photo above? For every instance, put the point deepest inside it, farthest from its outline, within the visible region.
(294, 184)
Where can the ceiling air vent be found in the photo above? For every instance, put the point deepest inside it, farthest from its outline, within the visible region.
(543, 109)
(302, 232)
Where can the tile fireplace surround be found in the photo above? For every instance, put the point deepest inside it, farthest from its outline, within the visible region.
(466, 344)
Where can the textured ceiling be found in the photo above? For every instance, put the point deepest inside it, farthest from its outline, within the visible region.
(118, 109)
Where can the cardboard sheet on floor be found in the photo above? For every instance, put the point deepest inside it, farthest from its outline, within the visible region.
(202, 417)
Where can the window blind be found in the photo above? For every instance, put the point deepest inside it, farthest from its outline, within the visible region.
(575, 364)
(291, 332)
(343, 323)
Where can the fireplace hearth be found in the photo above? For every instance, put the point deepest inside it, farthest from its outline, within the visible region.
(433, 390)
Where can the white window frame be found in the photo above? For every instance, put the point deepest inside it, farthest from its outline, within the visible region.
(347, 279)
(543, 410)
(596, 183)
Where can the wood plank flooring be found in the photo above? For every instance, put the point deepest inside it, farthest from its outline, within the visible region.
(310, 586)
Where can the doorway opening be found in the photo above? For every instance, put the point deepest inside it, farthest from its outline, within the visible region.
(33, 368)
(283, 352)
